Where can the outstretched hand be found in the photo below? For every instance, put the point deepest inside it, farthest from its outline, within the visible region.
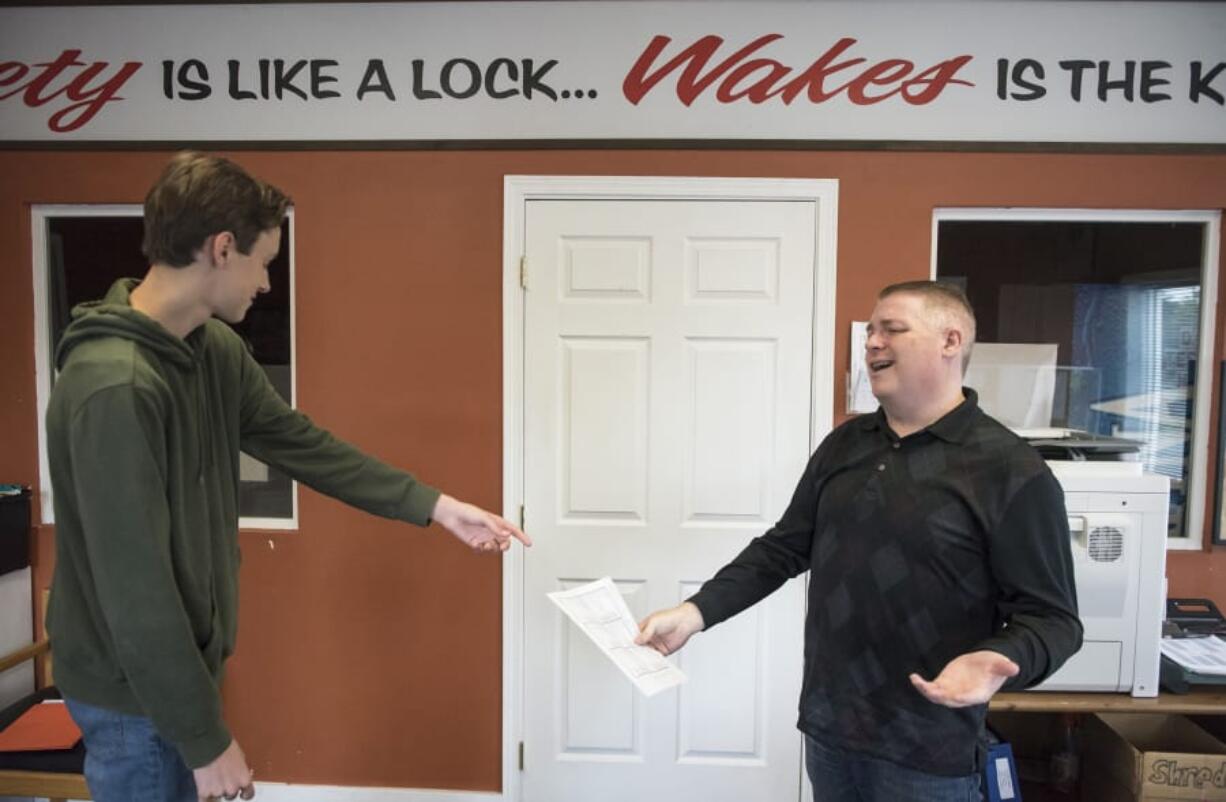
(479, 530)
(666, 631)
(968, 679)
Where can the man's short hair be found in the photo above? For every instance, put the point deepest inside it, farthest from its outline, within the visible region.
(947, 304)
(199, 195)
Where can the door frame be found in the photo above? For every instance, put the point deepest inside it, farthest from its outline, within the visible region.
(517, 191)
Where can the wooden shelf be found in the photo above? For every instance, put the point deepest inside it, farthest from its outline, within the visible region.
(1209, 700)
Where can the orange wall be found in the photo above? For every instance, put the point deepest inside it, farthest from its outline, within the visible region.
(398, 260)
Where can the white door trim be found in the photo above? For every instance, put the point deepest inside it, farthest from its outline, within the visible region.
(517, 191)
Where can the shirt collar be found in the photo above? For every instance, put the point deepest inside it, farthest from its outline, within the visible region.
(952, 427)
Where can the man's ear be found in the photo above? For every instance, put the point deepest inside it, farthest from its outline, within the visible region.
(220, 247)
(953, 344)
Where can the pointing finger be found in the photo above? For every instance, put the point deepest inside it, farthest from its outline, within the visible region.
(519, 534)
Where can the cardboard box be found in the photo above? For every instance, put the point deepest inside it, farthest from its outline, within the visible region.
(1150, 757)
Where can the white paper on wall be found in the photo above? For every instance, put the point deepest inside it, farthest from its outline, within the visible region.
(860, 396)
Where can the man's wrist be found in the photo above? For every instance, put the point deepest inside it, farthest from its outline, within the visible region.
(695, 616)
(203, 750)
(443, 509)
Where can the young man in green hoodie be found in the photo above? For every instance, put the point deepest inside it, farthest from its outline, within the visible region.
(153, 403)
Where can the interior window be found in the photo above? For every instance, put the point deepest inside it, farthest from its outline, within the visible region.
(1089, 332)
(87, 253)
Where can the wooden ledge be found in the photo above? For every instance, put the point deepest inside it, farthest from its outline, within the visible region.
(1208, 700)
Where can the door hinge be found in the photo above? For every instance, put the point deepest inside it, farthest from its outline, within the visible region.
(521, 516)
(523, 271)
(521, 755)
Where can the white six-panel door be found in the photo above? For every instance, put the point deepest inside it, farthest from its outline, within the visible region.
(667, 382)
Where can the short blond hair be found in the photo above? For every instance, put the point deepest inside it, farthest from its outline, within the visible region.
(947, 307)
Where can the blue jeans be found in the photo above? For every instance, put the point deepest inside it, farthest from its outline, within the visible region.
(127, 761)
(839, 776)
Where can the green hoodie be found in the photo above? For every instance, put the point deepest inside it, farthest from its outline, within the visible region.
(144, 431)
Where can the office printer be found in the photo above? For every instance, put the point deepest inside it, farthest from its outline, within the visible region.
(1118, 528)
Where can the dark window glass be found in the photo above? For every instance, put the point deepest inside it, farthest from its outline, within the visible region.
(87, 254)
(1121, 304)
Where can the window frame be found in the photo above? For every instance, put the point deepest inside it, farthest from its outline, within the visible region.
(1194, 540)
(40, 216)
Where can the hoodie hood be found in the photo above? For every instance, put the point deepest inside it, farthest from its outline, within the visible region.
(114, 316)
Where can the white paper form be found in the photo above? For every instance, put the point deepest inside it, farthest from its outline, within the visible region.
(599, 610)
(1202, 655)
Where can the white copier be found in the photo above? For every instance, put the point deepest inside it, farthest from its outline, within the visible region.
(1118, 527)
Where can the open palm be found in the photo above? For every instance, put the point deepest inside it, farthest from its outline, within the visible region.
(969, 679)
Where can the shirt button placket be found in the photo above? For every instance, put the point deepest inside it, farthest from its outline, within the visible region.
(894, 446)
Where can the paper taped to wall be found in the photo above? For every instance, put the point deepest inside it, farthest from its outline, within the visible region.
(599, 610)
(860, 396)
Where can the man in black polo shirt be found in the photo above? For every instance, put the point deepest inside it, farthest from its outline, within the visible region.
(938, 547)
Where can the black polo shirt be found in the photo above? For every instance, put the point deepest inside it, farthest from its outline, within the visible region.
(950, 540)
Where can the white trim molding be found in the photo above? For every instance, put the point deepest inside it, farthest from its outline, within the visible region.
(1206, 374)
(289, 792)
(517, 191)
